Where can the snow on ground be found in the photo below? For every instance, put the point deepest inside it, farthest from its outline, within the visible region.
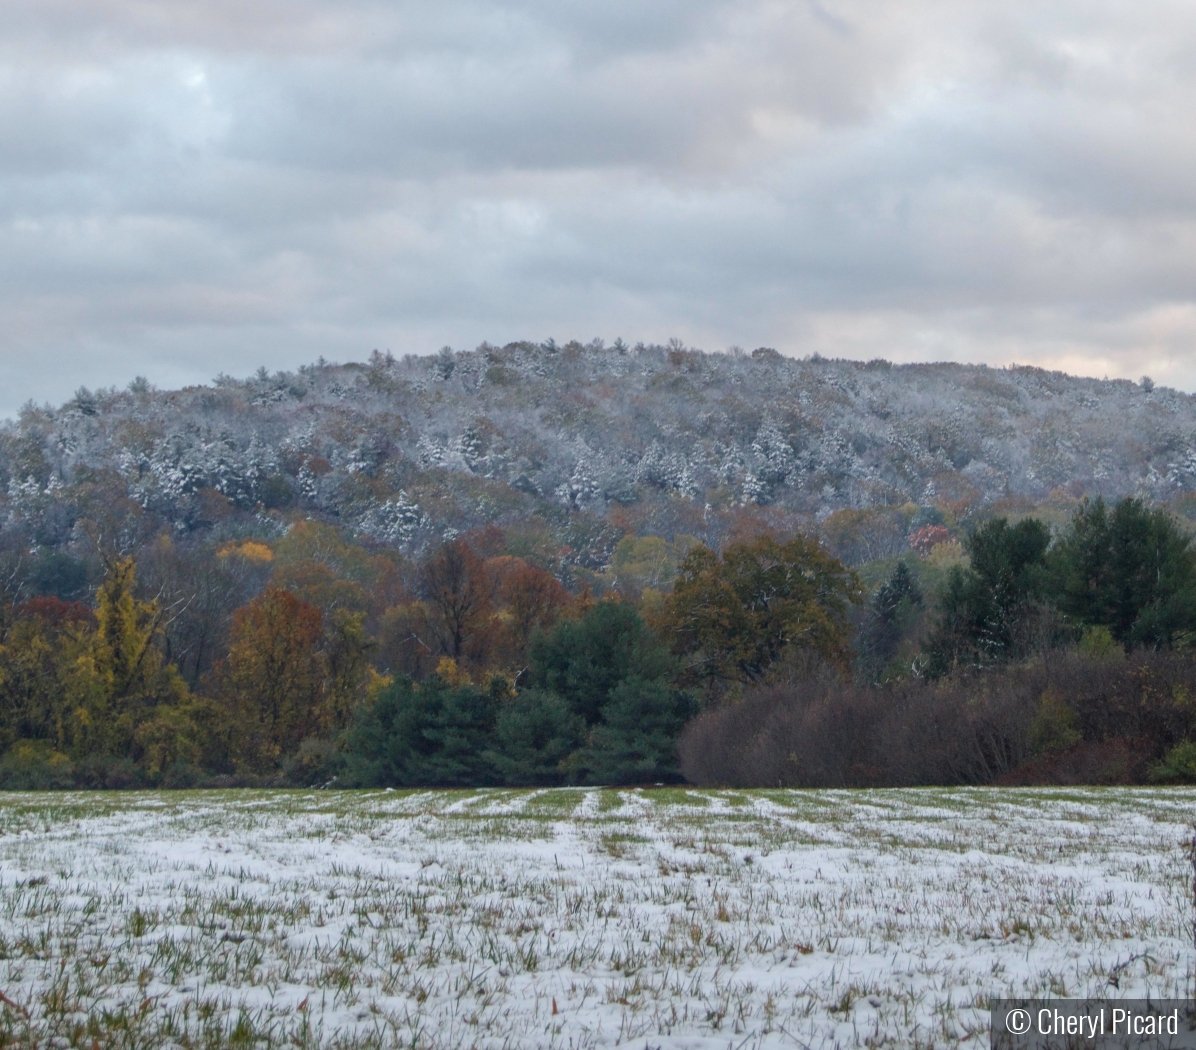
(580, 918)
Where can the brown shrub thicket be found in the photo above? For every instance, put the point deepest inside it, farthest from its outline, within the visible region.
(1066, 720)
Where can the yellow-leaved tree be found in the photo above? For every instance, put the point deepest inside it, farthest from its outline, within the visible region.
(276, 678)
(124, 699)
(37, 642)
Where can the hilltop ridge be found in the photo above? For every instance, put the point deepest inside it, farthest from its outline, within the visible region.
(403, 450)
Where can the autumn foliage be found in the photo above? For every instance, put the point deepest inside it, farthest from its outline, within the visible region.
(732, 616)
(1011, 653)
(276, 676)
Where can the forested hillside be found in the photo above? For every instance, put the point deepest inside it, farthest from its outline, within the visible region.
(543, 564)
(590, 440)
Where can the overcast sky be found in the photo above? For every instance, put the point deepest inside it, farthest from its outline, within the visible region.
(194, 187)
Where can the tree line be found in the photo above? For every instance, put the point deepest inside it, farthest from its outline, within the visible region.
(311, 659)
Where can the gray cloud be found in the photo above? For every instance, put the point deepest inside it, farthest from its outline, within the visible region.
(188, 188)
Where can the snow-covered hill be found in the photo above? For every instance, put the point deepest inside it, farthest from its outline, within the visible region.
(401, 450)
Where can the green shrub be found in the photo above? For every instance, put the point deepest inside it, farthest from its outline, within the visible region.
(1178, 766)
(1055, 726)
(316, 762)
(109, 773)
(1098, 643)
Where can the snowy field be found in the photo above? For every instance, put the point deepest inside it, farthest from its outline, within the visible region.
(580, 918)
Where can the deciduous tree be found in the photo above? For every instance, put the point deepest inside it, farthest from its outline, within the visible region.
(528, 600)
(276, 675)
(733, 616)
(458, 594)
(119, 682)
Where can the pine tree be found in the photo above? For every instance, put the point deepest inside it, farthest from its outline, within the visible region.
(1130, 569)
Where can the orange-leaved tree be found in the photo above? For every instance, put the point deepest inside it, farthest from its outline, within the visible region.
(318, 564)
(459, 598)
(276, 677)
(529, 600)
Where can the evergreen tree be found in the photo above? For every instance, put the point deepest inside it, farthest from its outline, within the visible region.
(898, 588)
(987, 609)
(636, 740)
(618, 679)
(582, 661)
(894, 605)
(1129, 569)
(428, 735)
(534, 733)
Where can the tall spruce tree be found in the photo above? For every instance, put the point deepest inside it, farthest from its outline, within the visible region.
(1129, 569)
(986, 608)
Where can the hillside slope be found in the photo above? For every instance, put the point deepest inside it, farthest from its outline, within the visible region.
(402, 450)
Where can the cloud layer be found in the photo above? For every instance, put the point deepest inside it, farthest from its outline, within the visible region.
(204, 186)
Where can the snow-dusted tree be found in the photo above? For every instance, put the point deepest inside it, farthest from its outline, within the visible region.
(754, 490)
(398, 521)
(774, 460)
(580, 490)
(309, 485)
